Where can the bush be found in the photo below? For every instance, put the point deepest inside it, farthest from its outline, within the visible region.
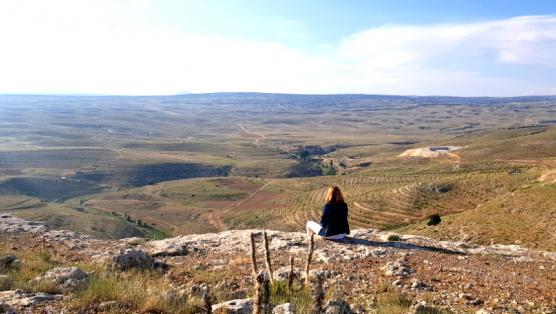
(394, 237)
(6, 283)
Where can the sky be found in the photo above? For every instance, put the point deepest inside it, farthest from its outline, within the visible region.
(159, 47)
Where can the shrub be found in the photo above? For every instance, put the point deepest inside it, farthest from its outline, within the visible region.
(6, 283)
(394, 237)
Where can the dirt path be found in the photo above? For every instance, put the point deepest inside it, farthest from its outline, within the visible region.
(260, 137)
(215, 217)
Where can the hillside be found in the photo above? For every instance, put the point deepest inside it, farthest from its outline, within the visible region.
(374, 271)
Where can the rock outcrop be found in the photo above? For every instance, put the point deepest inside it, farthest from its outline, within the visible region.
(10, 261)
(456, 273)
(131, 258)
(65, 278)
(361, 244)
(239, 306)
(20, 298)
(286, 308)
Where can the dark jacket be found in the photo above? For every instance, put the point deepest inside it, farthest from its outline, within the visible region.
(334, 219)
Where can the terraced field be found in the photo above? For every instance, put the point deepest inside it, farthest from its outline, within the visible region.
(389, 201)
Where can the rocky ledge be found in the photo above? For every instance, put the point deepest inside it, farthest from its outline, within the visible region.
(362, 243)
(460, 276)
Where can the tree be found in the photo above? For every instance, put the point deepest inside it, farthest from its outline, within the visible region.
(304, 154)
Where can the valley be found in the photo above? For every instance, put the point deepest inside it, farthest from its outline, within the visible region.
(159, 166)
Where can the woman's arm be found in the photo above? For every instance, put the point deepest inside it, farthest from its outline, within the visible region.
(347, 222)
(325, 219)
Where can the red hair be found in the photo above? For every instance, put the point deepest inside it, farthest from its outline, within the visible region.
(334, 195)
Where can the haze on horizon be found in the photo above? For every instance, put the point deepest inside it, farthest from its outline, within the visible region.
(142, 47)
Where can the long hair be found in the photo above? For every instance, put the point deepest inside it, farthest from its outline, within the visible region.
(334, 195)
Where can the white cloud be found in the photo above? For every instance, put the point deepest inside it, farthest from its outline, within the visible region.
(105, 47)
(520, 40)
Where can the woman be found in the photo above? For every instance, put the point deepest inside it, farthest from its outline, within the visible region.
(334, 223)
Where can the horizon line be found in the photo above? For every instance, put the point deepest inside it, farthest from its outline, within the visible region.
(261, 93)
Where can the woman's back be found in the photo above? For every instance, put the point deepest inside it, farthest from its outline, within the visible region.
(334, 222)
(335, 219)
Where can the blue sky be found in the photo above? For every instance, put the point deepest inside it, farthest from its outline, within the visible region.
(467, 48)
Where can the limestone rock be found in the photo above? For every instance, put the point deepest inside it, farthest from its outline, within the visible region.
(107, 306)
(19, 298)
(470, 299)
(11, 224)
(417, 284)
(397, 283)
(131, 258)
(65, 278)
(9, 261)
(398, 269)
(286, 308)
(337, 307)
(239, 306)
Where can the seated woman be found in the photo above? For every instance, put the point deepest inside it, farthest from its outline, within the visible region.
(334, 222)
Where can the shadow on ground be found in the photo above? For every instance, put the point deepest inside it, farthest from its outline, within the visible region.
(398, 245)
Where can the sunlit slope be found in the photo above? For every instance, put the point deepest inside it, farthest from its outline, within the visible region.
(526, 216)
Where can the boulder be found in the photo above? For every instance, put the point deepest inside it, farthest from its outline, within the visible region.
(397, 269)
(9, 261)
(133, 259)
(286, 308)
(337, 307)
(239, 306)
(65, 278)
